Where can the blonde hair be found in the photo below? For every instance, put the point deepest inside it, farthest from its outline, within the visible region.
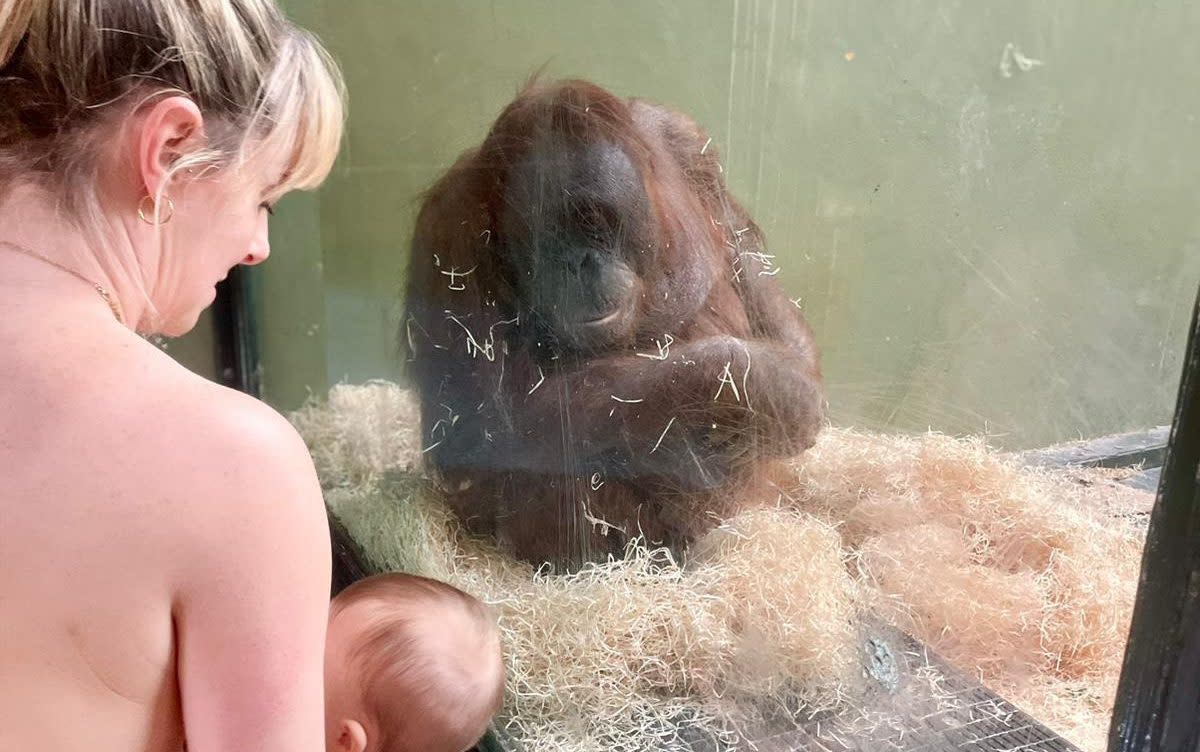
(69, 68)
(444, 693)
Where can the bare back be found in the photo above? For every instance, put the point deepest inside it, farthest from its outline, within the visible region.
(113, 509)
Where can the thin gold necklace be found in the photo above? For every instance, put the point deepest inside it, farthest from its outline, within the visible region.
(104, 293)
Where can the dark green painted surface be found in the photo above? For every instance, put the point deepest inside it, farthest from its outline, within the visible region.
(977, 252)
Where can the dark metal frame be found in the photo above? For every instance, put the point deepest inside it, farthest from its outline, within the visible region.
(237, 333)
(1158, 701)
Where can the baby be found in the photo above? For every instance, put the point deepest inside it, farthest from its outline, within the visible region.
(411, 665)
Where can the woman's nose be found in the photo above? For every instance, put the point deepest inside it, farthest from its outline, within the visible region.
(257, 256)
(259, 250)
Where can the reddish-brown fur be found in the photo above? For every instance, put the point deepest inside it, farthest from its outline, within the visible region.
(531, 440)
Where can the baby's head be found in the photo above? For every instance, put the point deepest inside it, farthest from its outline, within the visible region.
(411, 664)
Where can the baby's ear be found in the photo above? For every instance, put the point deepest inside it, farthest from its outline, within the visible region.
(352, 737)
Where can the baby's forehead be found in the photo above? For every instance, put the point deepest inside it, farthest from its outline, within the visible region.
(416, 615)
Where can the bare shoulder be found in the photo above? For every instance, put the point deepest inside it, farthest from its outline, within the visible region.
(237, 473)
(217, 434)
(240, 549)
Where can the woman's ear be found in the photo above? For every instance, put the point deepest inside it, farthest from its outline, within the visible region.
(171, 129)
(352, 737)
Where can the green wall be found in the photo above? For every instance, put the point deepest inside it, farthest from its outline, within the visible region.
(1015, 254)
(198, 350)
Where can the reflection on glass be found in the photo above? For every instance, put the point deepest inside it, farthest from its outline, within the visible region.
(606, 393)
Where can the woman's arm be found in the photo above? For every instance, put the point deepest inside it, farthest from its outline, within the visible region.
(251, 611)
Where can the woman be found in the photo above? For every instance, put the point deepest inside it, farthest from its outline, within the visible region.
(164, 555)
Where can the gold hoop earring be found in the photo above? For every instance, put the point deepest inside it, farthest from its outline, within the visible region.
(146, 213)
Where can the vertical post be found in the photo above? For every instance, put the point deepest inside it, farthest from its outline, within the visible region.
(237, 333)
(1158, 699)
(349, 562)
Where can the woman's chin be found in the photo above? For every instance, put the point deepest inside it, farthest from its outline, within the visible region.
(179, 313)
(181, 324)
(175, 329)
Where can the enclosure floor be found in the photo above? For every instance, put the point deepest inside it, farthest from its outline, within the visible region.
(908, 712)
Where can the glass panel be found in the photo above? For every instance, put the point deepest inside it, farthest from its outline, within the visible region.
(985, 215)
